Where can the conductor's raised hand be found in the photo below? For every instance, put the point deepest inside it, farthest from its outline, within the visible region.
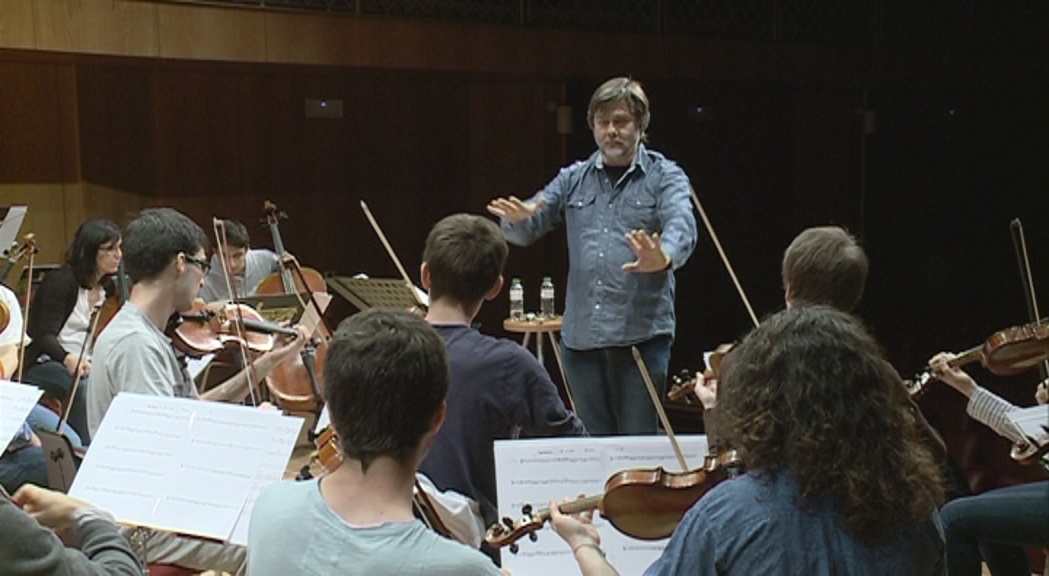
(649, 252)
(513, 209)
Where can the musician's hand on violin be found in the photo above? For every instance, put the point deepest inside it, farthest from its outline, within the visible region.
(575, 529)
(954, 377)
(513, 209)
(289, 348)
(706, 389)
(649, 252)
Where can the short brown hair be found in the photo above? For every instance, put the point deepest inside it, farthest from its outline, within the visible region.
(385, 377)
(621, 89)
(465, 254)
(825, 265)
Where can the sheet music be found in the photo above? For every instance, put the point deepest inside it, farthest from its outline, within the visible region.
(1032, 422)
(10, 224)
(197, 365)
(539, 470)
(310, 319)
(322, 421)
(183, 465)
(16, 401)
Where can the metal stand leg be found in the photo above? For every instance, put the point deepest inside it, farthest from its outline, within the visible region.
(561, 366)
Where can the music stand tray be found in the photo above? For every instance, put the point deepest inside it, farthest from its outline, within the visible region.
(367, 293)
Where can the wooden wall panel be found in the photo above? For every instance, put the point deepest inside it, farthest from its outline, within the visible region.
(209, 33)
(16, 24)
(115, 110)
(54, 209)
(96, 27)
(34, 117)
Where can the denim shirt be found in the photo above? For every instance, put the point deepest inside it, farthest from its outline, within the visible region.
(753, 525)
(605, 306)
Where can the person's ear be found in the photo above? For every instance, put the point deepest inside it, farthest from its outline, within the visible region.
(787, 296)
(438, 418)
(495, 289)
(424, 275)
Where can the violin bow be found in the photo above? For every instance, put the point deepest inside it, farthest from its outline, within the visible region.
(389, 250)
(721, 252)
(219, 228)
(30, 249)
(88, 343)
(659, 408)
(1020, 243)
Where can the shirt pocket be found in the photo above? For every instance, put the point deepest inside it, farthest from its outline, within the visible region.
(581, 208)
(639, 212)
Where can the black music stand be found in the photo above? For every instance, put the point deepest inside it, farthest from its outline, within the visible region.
(367, 293)
(278, 308)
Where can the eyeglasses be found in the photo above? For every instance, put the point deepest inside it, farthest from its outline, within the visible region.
(204, 265)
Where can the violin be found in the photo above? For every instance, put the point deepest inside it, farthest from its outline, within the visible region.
(646, 504)
(206, 330)
(684, 384)
(1005, 353)
(116, 294)
(297, 383)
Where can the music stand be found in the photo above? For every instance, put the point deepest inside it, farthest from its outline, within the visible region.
(367, 293)
(278, 308)
(11, 218)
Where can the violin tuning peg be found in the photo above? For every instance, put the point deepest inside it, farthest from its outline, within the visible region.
(526, 509)
(514, 548)
(508, 522)
(533, 536)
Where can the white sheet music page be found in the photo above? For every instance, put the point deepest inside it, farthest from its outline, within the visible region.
(180, 464)
(540, 470)
(1032, 422)
(16, 400)
(275, 448)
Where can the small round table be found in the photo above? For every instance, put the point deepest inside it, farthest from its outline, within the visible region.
(540, 327)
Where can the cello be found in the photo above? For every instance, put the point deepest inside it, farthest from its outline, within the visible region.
(296, 384)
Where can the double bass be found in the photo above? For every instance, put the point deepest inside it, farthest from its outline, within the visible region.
(296, 384)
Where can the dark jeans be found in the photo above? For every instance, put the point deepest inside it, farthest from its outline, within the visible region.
(23, 466)
(53, 378)
(609, 394)
(994, 527)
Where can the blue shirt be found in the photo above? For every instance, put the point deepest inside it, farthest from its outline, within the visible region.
(605, 306)
(749, 525)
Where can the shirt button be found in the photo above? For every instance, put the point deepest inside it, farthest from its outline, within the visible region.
(597, 306)
(600, 254)
(606, 230)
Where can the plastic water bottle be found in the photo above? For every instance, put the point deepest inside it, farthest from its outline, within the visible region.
(516, 299)
(546, 298)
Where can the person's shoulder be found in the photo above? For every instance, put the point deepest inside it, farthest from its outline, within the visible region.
(262, 254)
(285, 493)
(452, 557)
(580, 167)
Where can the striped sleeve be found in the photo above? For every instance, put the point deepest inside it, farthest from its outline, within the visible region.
(990, 409)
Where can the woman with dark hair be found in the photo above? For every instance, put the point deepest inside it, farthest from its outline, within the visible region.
(838, 481)
(63, 307)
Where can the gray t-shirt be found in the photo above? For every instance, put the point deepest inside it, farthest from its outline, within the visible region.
(133, 355)
(258, 264)
(293, 531)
